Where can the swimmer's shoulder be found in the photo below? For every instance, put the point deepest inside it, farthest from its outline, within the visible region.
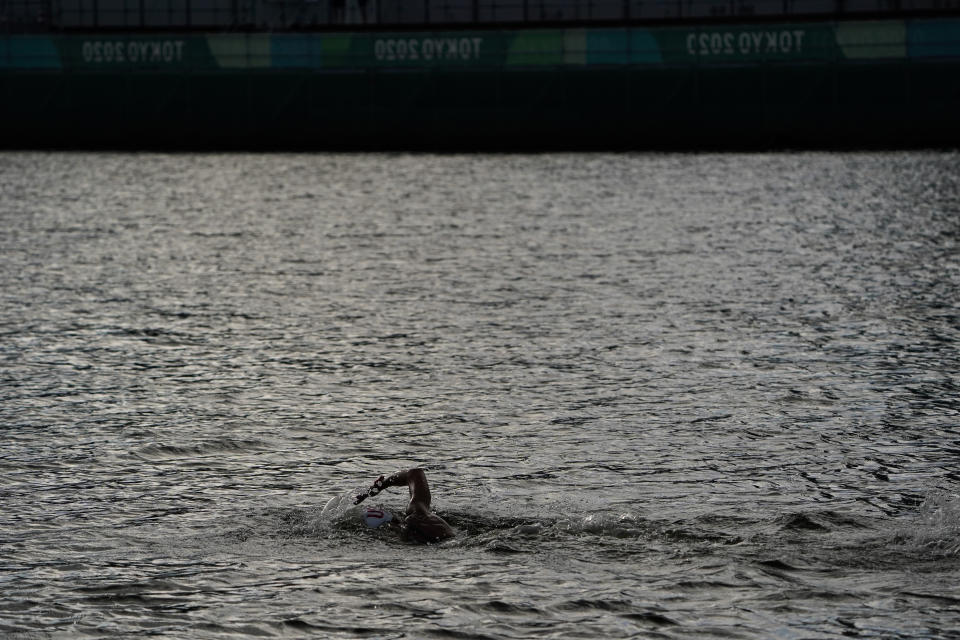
(427, 527)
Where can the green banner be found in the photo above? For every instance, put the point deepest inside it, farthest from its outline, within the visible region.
(408, 49)
(147, 52)
(747, 43)
(512, 49)
(28, 52)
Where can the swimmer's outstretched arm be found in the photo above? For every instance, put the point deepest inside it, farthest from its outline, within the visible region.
(416, 481)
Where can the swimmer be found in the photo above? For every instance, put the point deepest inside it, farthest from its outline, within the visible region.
(419, 524)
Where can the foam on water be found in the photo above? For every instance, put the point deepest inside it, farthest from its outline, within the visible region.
(935, 529)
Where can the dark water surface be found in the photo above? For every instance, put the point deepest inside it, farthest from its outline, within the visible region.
(659, 396)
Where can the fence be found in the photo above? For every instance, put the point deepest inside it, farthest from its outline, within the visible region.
(43, 15)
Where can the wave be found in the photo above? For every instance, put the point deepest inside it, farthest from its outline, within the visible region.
(158, 451)
(830, 540)
(822, 521)
(339, 518)
(496, 533)
(816, 540)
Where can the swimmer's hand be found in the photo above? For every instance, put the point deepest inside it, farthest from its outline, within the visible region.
(378, 485)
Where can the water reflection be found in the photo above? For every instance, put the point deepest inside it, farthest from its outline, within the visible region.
(658, 393)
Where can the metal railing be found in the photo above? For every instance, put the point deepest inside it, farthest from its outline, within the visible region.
(42, 15)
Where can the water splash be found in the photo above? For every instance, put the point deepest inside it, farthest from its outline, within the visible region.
(936, 530)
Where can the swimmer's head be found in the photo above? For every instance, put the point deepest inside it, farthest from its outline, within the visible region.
(373, 517)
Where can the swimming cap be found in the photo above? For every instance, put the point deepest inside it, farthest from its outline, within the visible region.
(373, 517)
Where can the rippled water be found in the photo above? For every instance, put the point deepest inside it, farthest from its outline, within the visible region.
(660, 396)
